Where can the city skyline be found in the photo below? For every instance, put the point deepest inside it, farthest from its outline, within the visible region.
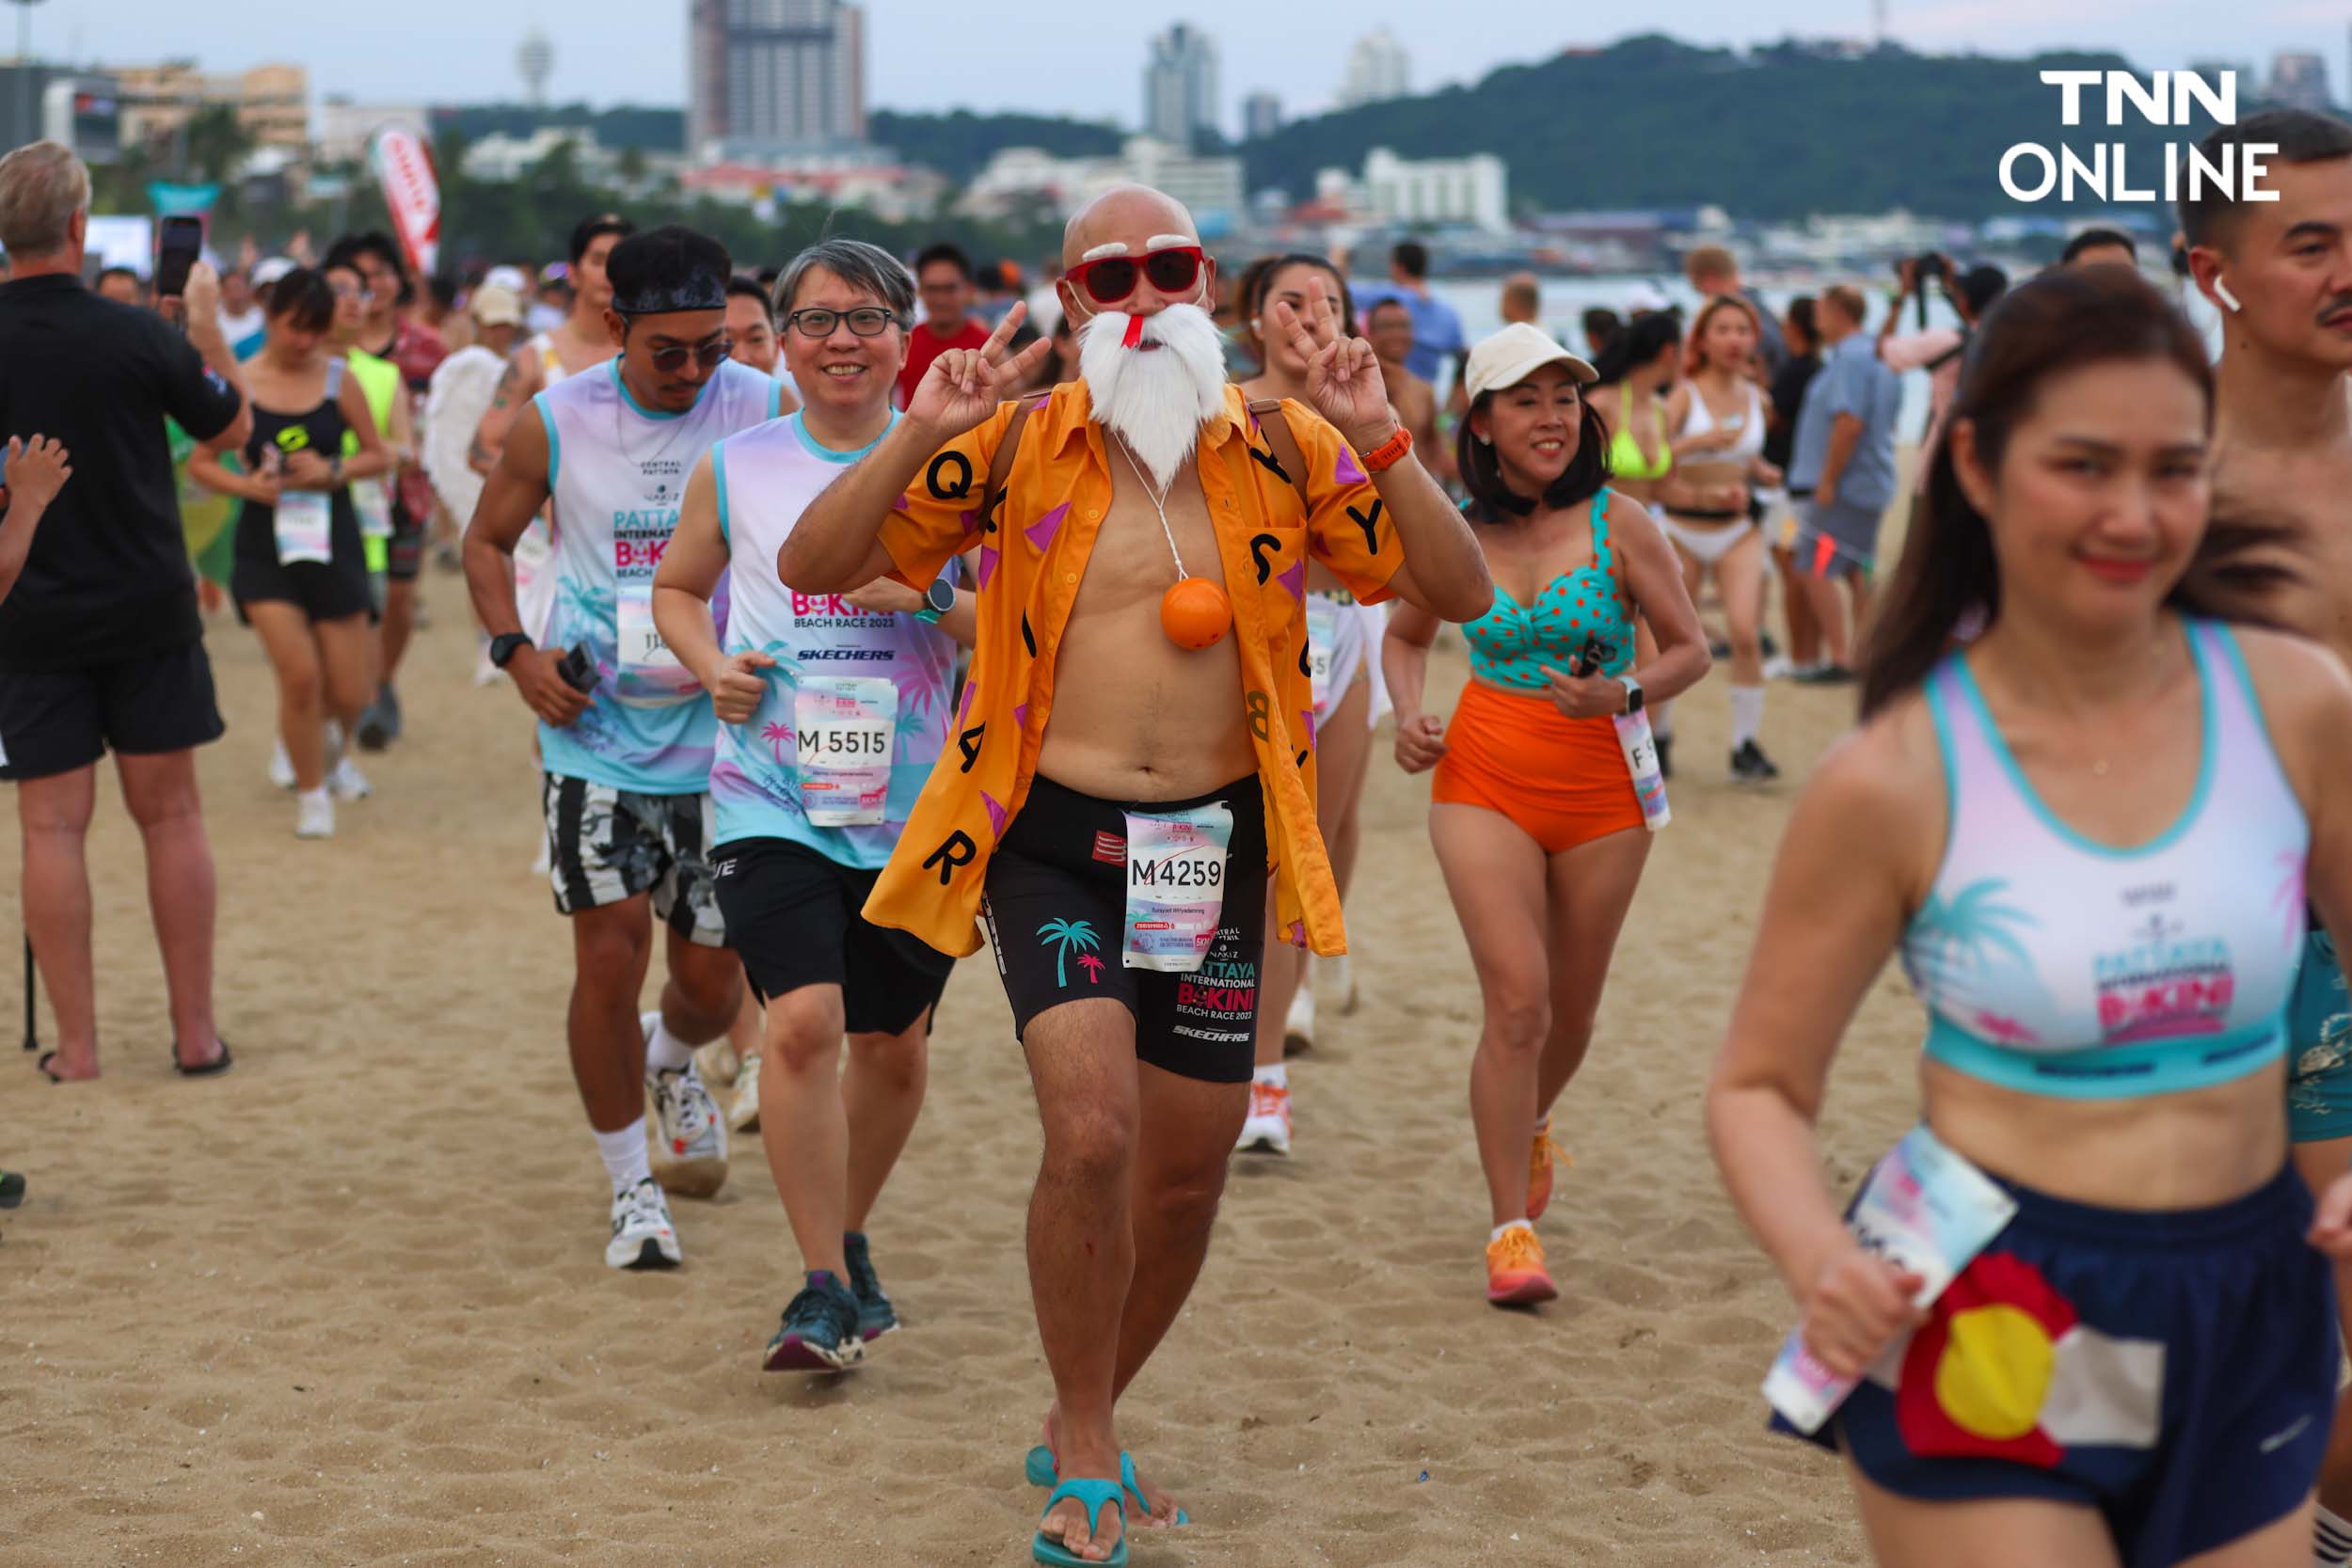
(1301, 52)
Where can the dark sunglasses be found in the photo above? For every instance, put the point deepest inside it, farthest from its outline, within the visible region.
(868, 320)
(709, 355)
(1112, 279)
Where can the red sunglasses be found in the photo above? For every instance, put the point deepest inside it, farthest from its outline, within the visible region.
(1111, 279)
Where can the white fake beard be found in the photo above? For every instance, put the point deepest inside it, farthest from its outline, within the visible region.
(1155, 401)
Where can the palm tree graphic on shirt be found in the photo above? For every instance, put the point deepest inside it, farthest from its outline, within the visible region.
(1093, 966)
(775, 735)
(1068, 934)
(1972, 932)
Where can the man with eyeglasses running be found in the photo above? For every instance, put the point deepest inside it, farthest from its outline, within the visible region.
(625, 732)
(1133, 758)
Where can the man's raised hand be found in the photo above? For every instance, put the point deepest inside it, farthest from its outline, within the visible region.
(1344, 381)
(964, 385)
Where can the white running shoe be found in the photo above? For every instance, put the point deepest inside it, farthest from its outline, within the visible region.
(642, 1234)
(315, 815)
(281, 771)
(692, 1156)
(347, 782)
(1298, 1027)
(745, 1115)
(1779, 668)
(1268, 1125)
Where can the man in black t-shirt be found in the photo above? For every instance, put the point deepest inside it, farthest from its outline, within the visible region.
(100, 645)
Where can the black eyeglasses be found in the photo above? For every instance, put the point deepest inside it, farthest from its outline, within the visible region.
(865, 322)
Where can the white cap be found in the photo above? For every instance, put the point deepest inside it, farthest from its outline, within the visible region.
(1648, 296)
(270, 271)
(493, 305)
(512, 279)
(1510, 356)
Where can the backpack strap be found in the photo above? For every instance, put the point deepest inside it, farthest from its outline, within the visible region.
(335, 369)
(1278, 435)
(1008, 451)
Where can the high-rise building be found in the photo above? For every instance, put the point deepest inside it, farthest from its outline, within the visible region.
(2298, 80)
(1378, 68)
(1261, 114)
(1179, 98)
(272, 101)
(773, 76)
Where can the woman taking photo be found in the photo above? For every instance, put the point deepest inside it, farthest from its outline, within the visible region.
(1718, 415)
(2088, 833)
(1342, 644)
(1533, 814)
(300, 576)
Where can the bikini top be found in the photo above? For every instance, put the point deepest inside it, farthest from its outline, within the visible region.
(1700, 418)
(2053, 965)
(1510, 643)
(1626, 459)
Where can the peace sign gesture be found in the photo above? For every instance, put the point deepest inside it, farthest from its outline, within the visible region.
(964, 384)
(1343, 380)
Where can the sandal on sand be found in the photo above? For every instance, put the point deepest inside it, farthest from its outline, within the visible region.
(42, 1066)
(213, 1068)
(1038, 1467)
(1094, 1496)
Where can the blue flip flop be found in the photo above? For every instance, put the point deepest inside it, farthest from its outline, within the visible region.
(1038, 1467)
(1095, 1495)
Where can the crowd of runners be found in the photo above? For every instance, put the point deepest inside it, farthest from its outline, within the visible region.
(863, 624)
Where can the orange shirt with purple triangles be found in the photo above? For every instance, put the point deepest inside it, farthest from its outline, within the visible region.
(1033, 554)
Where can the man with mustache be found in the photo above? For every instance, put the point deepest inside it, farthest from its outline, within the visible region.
(1135, 754)
(2281, 273)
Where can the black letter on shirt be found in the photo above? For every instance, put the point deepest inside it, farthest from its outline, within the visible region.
(963, 486)
(1259, 545)
(969, 744)
(1256, 706)
(1272, 464)
(1370, 523)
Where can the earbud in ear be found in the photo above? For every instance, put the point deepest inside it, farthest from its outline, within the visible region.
(2227, 297)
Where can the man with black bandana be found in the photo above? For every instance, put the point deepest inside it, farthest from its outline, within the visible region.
(625, 732)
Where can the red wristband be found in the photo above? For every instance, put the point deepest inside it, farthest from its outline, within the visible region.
(1388, 451)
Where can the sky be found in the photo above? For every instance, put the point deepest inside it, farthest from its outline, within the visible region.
(1026, 55)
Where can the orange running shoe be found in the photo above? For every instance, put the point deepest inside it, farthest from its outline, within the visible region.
(1515, 1270)
(1540, 1161)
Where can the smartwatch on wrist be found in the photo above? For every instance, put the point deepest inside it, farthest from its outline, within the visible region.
(1632, 693)
(938, 599)
(502, 646)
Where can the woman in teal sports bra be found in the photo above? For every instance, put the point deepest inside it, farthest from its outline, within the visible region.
(1532, 814)
(2089, 834)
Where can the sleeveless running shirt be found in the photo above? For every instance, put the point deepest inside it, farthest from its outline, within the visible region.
(765, 478)
(615, 472)
(2056, 966)
(1510, 644)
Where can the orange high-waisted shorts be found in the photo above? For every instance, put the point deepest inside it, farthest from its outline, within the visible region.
(1562, 780)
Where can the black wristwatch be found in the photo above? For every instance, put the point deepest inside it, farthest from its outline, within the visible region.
(938, 599)
(502, 646)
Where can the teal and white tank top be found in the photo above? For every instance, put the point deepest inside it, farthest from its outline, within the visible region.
(2054, 965)
(615, 472)
(856, 706)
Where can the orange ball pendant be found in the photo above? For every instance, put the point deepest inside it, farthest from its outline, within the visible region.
(1195, 612)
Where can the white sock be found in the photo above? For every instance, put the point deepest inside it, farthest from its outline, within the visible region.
(666, 1051)
(1509, 1225)
(1279, 1075)
(1747, 714)
(1662, 719)
(313, 797)
(2331, 1539)
(625, 1157)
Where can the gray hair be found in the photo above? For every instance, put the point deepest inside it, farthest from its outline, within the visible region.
(866, 268)
(42, 185)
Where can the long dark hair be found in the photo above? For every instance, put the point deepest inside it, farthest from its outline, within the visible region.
(2059, 322)
(1492, 500)
(1643, 340)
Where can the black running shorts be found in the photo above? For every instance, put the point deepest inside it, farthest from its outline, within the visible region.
(793, 916)
(1062, 870)
(56, 720)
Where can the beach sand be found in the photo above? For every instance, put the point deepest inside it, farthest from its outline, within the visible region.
(348, 1306)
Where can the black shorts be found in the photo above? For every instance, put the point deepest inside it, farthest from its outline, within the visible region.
(1061, 867)
(57, 720)
(793, 915)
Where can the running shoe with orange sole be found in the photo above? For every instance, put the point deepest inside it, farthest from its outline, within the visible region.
(1541, 1161)
(1515, 1276)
